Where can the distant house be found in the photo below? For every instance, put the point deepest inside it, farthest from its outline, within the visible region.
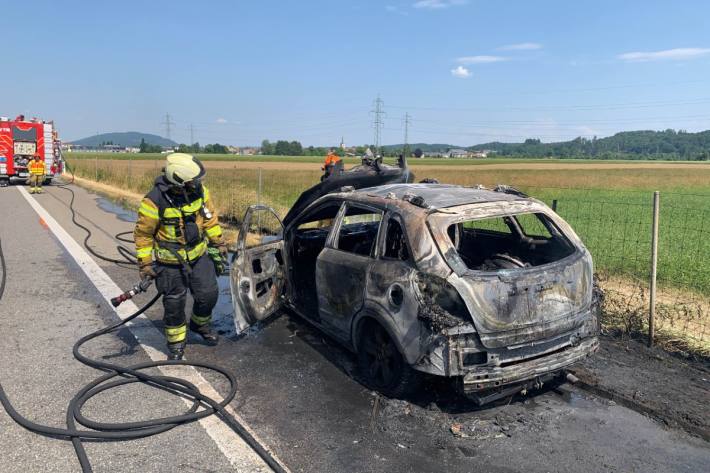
(432, 154)
(480, 154)
(458, 153)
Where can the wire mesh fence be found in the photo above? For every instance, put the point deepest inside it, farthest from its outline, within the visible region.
(615, 224)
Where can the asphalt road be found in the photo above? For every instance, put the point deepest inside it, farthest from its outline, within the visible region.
(298, 390)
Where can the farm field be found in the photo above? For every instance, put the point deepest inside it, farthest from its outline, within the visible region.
(609, 204)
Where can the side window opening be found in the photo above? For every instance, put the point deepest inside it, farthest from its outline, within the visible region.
(308, 241)
(264, 227)
(358, 231)
(395, 242)
(509, 242)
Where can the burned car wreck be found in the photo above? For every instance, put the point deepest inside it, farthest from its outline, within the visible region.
(491, 288)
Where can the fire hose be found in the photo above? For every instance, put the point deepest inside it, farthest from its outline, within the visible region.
(116, 376)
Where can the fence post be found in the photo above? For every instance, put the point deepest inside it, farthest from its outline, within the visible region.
(258, 190)
(258, 201)
(554, 205)
(654, 264)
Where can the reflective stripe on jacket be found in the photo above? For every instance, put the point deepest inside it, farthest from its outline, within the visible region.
(162, 230)
(35, 167)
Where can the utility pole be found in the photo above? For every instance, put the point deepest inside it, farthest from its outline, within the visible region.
(407, 121)
(378, 123)
(168, 123)
(192, 135)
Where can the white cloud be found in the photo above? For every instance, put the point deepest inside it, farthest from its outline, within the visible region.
(480, 59)
(461, 72)
(665, 55)
(221, 120)
(521, 47)
(437, 4)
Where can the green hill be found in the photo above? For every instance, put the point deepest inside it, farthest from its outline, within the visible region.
(127, 139)
(646, 144)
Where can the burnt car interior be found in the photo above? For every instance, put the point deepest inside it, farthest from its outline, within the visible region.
(308, 240)
(395, 242)
(358, 232)
(509, 242)
(357, 235)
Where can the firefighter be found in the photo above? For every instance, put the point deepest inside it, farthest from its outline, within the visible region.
(178, 239)
(332, 162)
(36, 169)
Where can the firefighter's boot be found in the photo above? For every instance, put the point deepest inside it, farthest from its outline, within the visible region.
(176, 351)
(205, 331)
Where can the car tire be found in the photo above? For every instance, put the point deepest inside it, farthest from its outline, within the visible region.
(381, 365)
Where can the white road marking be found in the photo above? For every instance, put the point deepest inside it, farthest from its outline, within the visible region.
(239, 454)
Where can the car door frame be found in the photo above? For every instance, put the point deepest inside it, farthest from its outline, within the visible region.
(340, 326)
(243, 279)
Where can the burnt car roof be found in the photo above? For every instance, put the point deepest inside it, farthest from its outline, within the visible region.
(438, 195)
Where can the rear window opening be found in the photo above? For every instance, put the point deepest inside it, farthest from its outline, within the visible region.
(510, 242)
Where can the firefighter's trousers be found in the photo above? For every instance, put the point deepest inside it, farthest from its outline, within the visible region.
(174, 281)
(35, 181)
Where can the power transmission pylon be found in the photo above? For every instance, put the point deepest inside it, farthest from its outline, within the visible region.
(378, 123)
(168, 123)
(407, 121)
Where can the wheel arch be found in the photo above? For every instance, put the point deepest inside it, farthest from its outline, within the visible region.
(370, 314)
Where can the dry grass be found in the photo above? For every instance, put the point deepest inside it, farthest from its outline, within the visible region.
(682, 321)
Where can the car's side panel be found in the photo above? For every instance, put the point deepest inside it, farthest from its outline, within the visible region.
(390, 293)
(340, 279)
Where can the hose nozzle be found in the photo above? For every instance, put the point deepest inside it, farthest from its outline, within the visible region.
(137, 289)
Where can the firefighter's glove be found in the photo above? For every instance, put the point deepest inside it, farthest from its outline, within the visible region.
(215, 254)
(147, 271)
(223, 252)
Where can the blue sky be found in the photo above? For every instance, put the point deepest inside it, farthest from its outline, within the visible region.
(466, 71)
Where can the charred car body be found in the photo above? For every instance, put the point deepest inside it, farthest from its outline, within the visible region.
(489, 287)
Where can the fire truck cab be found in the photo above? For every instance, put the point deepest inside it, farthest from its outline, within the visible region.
(20, 141)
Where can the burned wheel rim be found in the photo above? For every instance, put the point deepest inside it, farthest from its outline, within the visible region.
(380, 360)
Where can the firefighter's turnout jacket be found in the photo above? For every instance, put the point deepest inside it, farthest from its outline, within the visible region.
(174, 228)
(36, 167)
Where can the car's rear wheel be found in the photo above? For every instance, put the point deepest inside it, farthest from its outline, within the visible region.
(381, 364)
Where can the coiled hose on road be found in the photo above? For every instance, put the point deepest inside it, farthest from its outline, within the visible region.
(129, 257)
(116, 376)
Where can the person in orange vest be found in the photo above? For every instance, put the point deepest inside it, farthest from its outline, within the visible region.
(36, 169)
(332, 161)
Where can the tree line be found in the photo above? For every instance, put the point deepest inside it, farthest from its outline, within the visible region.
(666, 145)
(214, 148)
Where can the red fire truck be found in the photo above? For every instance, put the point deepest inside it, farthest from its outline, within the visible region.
(20, 141)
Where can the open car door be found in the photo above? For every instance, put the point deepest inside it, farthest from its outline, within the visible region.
(258, 274)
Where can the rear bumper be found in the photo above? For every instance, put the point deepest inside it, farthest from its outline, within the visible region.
(487, 377)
